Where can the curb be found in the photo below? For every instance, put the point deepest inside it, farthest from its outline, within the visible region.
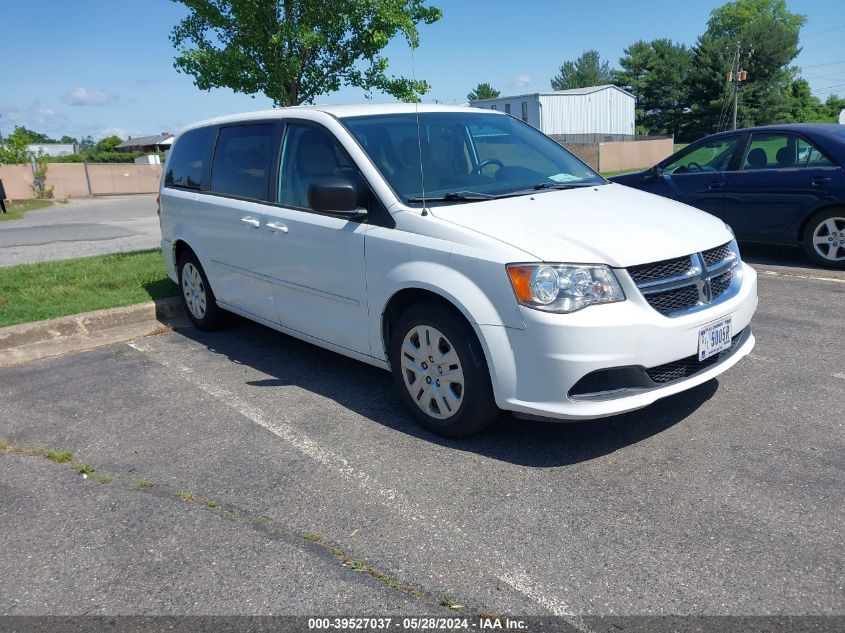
(77, 332)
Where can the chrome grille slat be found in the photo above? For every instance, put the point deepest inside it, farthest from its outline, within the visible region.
(686, 284)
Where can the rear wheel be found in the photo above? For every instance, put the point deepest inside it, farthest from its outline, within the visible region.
(824, 238)
(440, 371)
(197, 296)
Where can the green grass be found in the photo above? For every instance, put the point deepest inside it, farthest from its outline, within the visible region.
(16, 210)
(32, 292)
(60, 457)
(678, 146)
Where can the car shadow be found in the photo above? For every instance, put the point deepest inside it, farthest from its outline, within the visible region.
(776, 255)
(370, 392)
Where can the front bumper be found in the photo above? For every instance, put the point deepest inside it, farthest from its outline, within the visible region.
(534, 369)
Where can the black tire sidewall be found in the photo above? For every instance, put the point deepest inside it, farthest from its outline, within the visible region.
(478, 408)
(810, 230)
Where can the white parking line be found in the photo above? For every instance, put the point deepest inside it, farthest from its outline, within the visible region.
(775, 273)
(387, 497)
(524, 585)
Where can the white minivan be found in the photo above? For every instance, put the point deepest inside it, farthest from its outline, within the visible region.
(474, 257)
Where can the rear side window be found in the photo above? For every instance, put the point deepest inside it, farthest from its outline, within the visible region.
(189, 158)
(242, 161)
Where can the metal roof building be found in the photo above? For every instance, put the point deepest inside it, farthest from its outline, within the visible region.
(598, 110)
(156, 143)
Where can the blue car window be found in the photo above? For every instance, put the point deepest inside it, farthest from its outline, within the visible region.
(810, 156)
(770, 151)
(713, 155)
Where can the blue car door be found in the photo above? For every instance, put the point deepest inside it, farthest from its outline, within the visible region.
(781, 179)
(696, 174)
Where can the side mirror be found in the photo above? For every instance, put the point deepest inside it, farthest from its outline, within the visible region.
(335, 195)
(652, 173)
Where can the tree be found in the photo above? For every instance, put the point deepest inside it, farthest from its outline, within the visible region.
(587, 70)
(766, 35)
(108, 144)
(295, 50)
(483, 91)
(834, 104)
(14, 151)
(656, 73)
(86, 144)
(69, 140)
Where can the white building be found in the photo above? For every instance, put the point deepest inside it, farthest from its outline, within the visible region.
(51, 149)
(598, 110)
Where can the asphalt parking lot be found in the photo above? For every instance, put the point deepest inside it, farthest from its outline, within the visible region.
(252, 473)
(80, 228)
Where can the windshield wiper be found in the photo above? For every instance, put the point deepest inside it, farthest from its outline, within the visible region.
(454, 196)
(548, 186)
(561, 185)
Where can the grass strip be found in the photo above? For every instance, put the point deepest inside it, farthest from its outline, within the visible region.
(33, 292)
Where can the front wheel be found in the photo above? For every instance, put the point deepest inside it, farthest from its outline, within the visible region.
(824, 238)
(440, 371)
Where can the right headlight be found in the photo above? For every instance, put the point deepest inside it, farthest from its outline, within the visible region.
(563, 287)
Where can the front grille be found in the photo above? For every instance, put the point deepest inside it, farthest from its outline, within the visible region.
(719, 285)
(717, 255)
(660, 270)
(688, 366)
(686, 284)
(675, 300)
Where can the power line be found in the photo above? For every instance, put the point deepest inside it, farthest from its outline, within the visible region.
(841, 61)
(835, 28)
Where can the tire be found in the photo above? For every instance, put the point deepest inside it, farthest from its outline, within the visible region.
(824, 238)
(197, 296)
(428, 332)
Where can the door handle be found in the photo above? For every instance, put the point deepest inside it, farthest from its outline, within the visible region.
(821, 180)
(716, 184)
(251, 222)
(277, 227)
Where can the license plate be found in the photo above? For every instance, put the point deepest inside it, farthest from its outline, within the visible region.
(714, 338)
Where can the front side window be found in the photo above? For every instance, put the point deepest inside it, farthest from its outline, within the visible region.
(309, 154)
(242, 160)
(456, 152)
(710, 156)
(189, 158)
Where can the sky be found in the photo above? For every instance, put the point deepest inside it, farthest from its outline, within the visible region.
(102, 67)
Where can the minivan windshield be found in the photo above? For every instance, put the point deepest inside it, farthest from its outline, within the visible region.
(465, 156)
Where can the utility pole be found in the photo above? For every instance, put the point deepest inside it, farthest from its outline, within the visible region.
(735, 76)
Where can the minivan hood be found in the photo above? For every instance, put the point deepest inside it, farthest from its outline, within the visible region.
(606, 224)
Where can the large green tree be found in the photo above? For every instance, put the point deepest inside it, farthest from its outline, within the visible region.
(587, 70)
(292, 51)
(483, 91)
(765, 33)
(657, 73)
(108, 144)
(13, 149)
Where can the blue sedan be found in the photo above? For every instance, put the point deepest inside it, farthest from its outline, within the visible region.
(782, 184)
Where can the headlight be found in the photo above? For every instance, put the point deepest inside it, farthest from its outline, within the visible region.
(563, 287)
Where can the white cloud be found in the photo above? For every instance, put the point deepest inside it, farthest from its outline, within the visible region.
(34, 116)
(86, 97)
(519, 81)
